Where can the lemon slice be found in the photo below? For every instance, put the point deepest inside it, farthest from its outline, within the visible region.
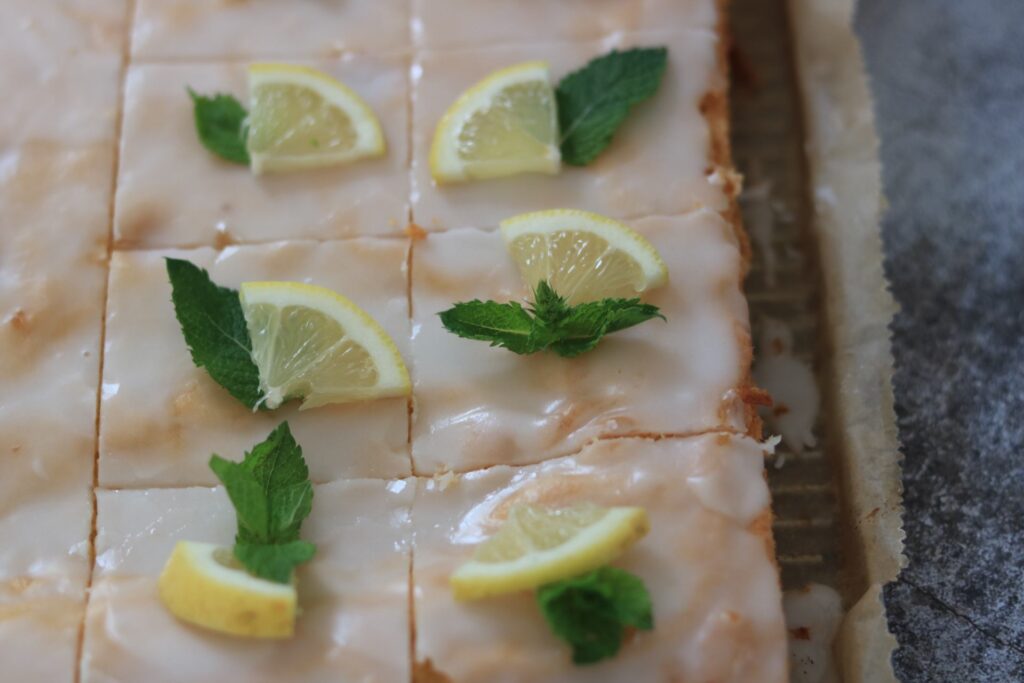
(583, 256)
(204, 584)
(302, 118)
(311, 343)
(504, 125)
(538, 545)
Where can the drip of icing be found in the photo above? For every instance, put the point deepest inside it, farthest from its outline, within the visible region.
(813, 616)
(759, 217)
(790, 382)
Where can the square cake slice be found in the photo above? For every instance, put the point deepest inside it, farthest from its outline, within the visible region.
(175, 29)
(662, 160)
(707, 564)
(519, 22)
(173, 192)
(477, 406)
(354, 595)
(62, 68)
(162, 417)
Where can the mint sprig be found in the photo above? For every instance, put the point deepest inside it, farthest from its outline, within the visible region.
(214, 327)
(592, 612)
(549, 323)
(594, 101)
(272, 495)
(221, 125)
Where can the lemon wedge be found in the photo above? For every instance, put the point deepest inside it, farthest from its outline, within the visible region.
(583, 256)
(504, 125)
(538, 545)
(203, 584)
(302, 118)
(311, 343)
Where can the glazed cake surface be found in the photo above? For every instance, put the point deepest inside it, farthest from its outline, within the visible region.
(62, 63)
(107, 427)
(51, 303)
(226, 203)
(354, 595)
(259, 29)
(707, 564)
(515, 22)
(162, 416)
(668, 138)
(477, 406)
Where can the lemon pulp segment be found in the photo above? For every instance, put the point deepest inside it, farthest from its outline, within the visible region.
(582, 255)
(311, 343)
(302, 118)
(538, 545)
(504, 125)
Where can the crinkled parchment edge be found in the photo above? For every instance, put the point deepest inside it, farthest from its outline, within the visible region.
(846, 191)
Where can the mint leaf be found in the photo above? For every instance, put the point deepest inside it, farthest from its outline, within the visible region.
(275, 562)
(221, 125)
(270, 488)
(594, 101)
(548, 306)
(592, 612)
(271, 493)
(214, 327)
(585, 324)
(549, 322)
(508, 325)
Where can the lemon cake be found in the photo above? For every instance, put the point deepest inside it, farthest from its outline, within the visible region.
(161, 162)
(707, 563)
(667, 141)
(51, 302)
(353, 595)
(161, 417)
(171, 30)
(107, 425)
(62, 64)
(503, 22)
(478, 406)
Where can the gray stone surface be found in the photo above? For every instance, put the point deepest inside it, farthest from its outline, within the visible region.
(948, 78)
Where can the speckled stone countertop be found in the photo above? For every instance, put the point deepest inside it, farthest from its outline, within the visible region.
(948, 78)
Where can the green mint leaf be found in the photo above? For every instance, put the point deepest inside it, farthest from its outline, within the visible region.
(246, 494)
(274, 562)
(272, 495)
(592, 612)
(548, 306)
(594, 101)
(221, 126)
(508, 325)
(214, 327)
(585, 324)
(625, 313)
(549, 322)
(270, 488)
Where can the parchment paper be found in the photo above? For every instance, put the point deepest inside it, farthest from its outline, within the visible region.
(804, 138)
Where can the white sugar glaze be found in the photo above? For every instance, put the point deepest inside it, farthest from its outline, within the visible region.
(478, 406)
(792, 385)
(658, 162)
(706, 562)
(353, 594)
(172, 192)
(167, 416)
